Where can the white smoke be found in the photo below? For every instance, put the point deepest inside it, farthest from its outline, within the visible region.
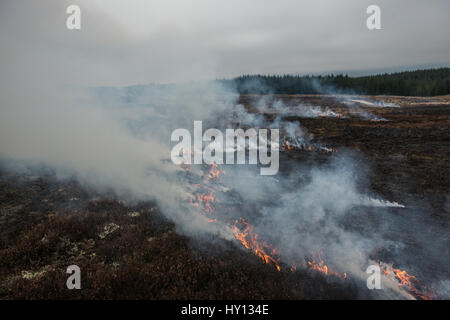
(119, 139)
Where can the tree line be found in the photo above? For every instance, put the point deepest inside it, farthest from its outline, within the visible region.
(430, 82)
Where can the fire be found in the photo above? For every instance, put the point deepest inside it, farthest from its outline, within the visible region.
(245, 233)
(329, 113)
(407, 281)
(286, 146)
(207, 200)
(297, 144)
(215, 171)
(318, 264)
(251, 241)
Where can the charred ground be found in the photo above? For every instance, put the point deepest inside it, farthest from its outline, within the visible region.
(130, 251)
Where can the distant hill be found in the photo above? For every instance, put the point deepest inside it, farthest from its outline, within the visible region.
(430, 82)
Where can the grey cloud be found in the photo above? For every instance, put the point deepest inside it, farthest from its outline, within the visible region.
(129, 42)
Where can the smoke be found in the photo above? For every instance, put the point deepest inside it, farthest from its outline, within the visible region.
(124, 147)
(376, 104)
(309, 212)
(119, 139)
(298, 110)
(314, 212)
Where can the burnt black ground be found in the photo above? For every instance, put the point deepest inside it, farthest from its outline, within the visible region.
(47, 225)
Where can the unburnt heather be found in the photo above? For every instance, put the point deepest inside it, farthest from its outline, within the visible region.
(125, 252)
(130, 250)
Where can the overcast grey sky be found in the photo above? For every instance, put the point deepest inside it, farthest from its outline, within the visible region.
(125, 42)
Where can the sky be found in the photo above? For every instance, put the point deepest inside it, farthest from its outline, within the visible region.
(126, 42)
(47, 118)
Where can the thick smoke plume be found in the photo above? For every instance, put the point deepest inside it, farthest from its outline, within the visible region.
(119, 139)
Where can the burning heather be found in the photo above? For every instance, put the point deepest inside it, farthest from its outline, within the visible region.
(406, 281)
(317, 215)
(356, 206)
(300, 145)
(301, 111)
(250, 239)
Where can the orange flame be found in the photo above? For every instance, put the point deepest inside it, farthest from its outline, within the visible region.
(286, 146)
(409, 282)
(215, 171)
(249, 239)
(245, 233)
(207, 200)
(318, 264)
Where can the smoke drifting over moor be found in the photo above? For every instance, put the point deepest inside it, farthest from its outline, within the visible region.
(118, 139)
